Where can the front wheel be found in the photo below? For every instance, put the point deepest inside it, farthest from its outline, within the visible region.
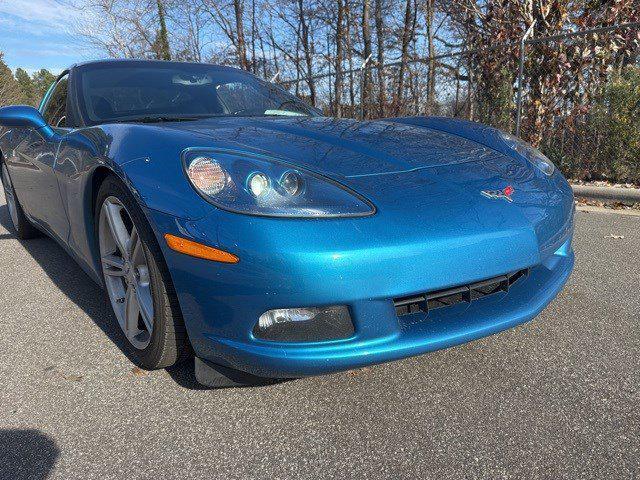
(137, 280)
(21, 224)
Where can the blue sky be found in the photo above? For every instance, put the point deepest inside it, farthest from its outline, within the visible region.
(38, 34)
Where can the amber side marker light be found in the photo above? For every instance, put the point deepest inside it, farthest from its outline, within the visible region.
(196, 249)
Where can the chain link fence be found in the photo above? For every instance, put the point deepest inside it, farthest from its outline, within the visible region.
(581, 101)
(575, 95)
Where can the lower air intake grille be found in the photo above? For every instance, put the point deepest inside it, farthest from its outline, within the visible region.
(452, 296)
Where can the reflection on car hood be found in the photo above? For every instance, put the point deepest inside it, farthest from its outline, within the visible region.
(341, 147)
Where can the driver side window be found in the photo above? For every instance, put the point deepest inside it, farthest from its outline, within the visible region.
(55, 112)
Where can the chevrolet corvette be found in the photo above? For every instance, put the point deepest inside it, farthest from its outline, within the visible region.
(230, 222)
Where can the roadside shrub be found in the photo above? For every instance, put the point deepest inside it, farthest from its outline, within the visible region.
(617, 119)
(603, 143)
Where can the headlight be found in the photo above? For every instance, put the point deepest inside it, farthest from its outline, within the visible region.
(257, 185)
(532, 154)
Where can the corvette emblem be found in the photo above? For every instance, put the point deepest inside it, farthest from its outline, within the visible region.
(504, 193)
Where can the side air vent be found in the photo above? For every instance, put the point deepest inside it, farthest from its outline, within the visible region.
(452, 296)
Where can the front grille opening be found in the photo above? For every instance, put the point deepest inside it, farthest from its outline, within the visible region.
(452, 296)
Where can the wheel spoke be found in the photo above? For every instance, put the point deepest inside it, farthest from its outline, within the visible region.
(146, 307)
(113, 265)
(133, 245)
(118, 229)
(131, 312)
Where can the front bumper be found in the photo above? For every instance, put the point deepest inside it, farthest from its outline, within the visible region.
(221, 303)
(407, 336)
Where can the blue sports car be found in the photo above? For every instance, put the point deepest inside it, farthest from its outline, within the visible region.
(228, 220)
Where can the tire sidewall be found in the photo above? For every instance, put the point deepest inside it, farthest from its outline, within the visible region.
(24, 228)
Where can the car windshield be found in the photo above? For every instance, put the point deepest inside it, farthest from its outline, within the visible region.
(179, 91)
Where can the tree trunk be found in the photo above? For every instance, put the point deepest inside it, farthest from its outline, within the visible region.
(380, 39)
(264, 58)
(306, 47)
(238, 9)
(254, 34)
(349, 51)
(431, 78)
(406, 37)
(366, 40)
(339, 58)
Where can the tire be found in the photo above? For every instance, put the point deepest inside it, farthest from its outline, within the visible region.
(136, 277)
(22, 226)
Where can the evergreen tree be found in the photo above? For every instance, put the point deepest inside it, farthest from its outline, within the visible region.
(27, 87)
(10, 92)
(42, 80)
(161, 43)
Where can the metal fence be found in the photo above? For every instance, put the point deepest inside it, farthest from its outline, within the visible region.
(562, 93)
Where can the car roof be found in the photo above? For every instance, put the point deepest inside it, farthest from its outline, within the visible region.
(135, 61)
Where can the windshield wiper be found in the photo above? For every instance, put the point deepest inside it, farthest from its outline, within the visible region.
(154, 119)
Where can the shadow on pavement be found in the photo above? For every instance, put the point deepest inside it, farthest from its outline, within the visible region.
(71, 280)
(26, 454)
(184, 375)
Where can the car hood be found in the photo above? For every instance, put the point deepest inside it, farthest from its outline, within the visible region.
(423, 182)
(432, 180)
(340, 147)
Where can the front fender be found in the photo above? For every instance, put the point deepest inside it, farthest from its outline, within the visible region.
(149, 164)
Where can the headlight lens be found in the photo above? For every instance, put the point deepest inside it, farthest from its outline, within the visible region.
(207, 176)
(532, 154)
(257, 185)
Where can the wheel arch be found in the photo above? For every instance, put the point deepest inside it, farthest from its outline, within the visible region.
(98, 176)
(92, 187)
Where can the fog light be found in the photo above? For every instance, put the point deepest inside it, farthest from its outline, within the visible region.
(304, 324)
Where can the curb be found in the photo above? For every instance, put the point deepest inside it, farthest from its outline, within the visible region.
(616, 194)
(629, 212)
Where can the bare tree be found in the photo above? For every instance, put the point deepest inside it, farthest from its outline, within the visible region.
(238, 9)
(407, 33)
(128, 28)
(339, 57)
(307, 48)
(429, 13)
(380, 36)
(366, 40)
(229, 19)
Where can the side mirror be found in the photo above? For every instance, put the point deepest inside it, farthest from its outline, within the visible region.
(21, 116)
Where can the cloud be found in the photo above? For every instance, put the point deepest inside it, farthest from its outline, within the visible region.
(45, 13)
(42, 33)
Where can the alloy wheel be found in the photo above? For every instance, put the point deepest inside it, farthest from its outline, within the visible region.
(126, 272)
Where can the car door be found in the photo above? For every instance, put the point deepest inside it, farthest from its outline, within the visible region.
(32, 165)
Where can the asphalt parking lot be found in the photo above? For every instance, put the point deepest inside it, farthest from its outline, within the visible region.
(556, 398)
